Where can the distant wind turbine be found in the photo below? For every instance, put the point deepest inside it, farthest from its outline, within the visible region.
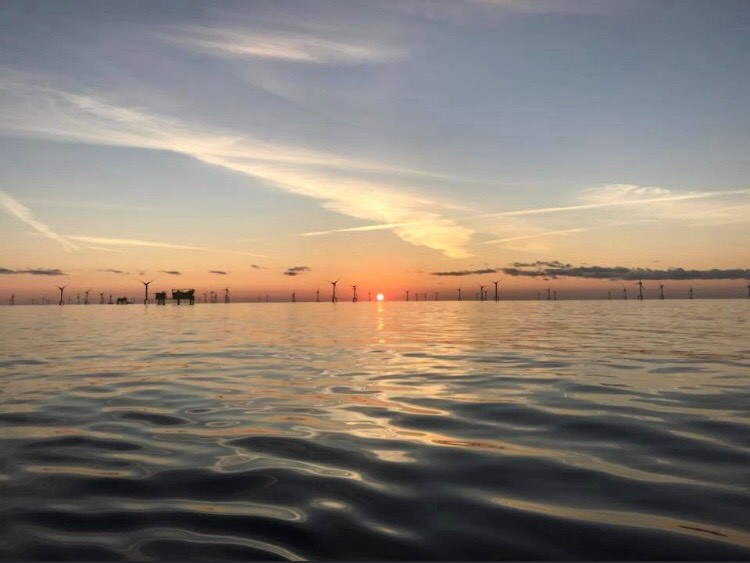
(145, 287)
(101, 299)
(86, 296)
(333, 293)
(661, 291)
(639, 283)
(481, 293)
(407, 294)
(625, 293)
(226, 295)
(549, 294)
(61, 293)
(691, 293)
(317, 296)
(497, 295)
(459, 294)
(354, 294)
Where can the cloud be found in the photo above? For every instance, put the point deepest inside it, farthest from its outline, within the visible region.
(537, 235)
(625, 273)
(465, 272)
(386, 226)
(171, 272)
(255, 266)
(622, 194)
(218, 272)
(38, 111)
(113, 271)
(300, 47)
(34, 272)
(151, 244)
(16, 209)
(296, 270)
(539, 264)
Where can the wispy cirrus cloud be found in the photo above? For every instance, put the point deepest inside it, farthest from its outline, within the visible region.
(218, 272)
(35, 110)
(171, 272)
(113, 271)
(18, 210)
(34, 272)
(151, 244)
(300, 46)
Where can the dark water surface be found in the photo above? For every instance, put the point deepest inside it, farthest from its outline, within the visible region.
(397, 430)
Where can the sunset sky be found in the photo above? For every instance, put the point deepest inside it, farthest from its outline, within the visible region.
(269, 146)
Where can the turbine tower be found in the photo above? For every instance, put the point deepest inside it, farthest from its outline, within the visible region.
(459, 293)
(661, 291)
(691, 293)
(86, 296)
(549, 294)
(145, 286)
(226, 295)
(407, 294)
(354, 294)
(481, 293)
(101, 299)
(61, 293)
(625, 293)
(333, 293)
(639, 283)
(497, 295)
(294, 296)
(317, 296)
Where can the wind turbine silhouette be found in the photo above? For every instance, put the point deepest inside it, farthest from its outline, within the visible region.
(333, 293)
(625, 293)
(481, 293)
(459, 294)
(101, 299)
(691, 293)
(549, 294)
(61, 292)
(639, 283)
(317, 296)
(294, 296)
(86, 298)
(661, 291)
(145, 286)
(497, 295)
(407, 294)
(609, 294)
(354, 296)
(226, 295)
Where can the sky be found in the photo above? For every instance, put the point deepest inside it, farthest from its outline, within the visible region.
(272, 146)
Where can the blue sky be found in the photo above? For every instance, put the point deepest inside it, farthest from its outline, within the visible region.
(238, 128)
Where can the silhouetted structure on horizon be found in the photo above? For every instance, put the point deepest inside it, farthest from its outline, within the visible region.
(145, 286)
(122, 301)
(180, 295)
(62, 289)
(333, 292)
(497, 294)
(639, 283)
(690, 293)
(459, 294)
(161, 297)
(661, 291)
(354, 294)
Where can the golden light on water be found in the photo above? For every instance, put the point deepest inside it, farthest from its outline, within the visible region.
(379, 297)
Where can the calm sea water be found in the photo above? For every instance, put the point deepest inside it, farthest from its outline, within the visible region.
(397, 430)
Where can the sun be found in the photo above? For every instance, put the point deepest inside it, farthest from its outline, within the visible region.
(379, 297)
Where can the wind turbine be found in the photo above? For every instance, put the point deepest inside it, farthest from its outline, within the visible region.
(86, 296)
(497, 295)
(549, 294)
(101, 299)
(354, 295)
(333, 293)
(609, 294)
(481, 293)
(317, 296)
(294, 296)
(145, 286)
(639, 283)
(226, 295)
(625, 293)
(661, 291)
(459, 294)
(61, 292)
(407, 294)
(691, 293)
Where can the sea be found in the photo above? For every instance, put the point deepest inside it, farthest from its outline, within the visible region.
(376, 430)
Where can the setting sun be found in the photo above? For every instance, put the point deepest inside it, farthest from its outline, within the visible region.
(379, 297)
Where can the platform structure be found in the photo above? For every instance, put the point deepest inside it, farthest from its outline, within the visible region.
(161, 297)
(184, 295)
